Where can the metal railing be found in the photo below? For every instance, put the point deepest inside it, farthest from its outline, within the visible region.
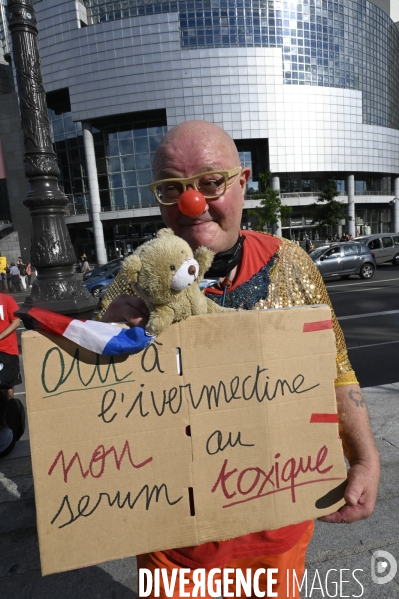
(305, 194)
(118, 208)
(314, 194)
(72, 210)
(374, 193)
(299, 194)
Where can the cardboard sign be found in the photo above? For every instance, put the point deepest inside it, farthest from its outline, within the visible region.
(225, 425)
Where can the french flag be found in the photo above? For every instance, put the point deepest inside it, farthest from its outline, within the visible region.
(99, 337)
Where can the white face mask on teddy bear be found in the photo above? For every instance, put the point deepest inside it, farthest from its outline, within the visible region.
(166, 274)
(185, 275)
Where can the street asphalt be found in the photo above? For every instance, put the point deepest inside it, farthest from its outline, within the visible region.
(337, 553)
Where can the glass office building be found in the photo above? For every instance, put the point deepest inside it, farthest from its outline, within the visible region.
(307, 90)
(347, 44)
(4, 47)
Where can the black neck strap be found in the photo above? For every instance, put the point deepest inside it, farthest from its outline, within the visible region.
(224, 262)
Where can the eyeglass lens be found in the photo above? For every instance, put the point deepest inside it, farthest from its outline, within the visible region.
(210, 185)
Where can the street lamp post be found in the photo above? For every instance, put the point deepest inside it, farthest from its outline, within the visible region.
(57, 287)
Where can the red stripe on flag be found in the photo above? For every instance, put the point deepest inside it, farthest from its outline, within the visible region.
(325, 418)
(319, 325)
(50, 321)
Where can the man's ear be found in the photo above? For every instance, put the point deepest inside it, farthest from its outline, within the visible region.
(131, 267)
(204, 257)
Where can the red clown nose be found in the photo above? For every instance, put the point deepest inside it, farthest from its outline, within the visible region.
(191, 203)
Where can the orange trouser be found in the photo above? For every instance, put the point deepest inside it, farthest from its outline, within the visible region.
(294, 559)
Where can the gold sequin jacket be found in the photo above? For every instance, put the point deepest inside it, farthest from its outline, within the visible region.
(294, 281)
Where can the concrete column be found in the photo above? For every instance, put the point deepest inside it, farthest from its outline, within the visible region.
(94, 192)
(275, 184)
(350, 186)
(395, 207)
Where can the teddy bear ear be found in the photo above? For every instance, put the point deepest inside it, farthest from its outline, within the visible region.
(131, 267)
(204, 257)
(164, 231)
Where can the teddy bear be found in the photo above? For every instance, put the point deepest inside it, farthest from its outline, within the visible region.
(166, 274)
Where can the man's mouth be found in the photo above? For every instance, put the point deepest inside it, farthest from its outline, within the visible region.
(194, 222)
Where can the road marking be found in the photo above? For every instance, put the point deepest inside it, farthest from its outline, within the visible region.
(367, 315)
(373, 345)
(361, 283)
(10, 486)
(20, 393)
(357, 290)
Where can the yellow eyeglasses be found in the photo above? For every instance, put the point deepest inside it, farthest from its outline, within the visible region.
(211, 184)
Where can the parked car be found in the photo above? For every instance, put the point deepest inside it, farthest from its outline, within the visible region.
(101, 270)
(96, 284)
(103, 291)
(344, 259)
(385, 246)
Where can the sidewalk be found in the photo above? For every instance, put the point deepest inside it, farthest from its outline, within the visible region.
(339, 547)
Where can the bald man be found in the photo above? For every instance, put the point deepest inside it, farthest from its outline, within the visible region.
(265, 272)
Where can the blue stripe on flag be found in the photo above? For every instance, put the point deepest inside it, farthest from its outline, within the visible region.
(128, 341)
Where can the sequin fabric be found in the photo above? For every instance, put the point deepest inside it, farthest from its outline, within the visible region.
(289, 279)
(296, 281)
(247, 295)
(120, 284)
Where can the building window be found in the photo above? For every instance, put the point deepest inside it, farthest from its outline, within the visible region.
(372, 220)
(68, 146)
(246, 160)
(253, 153)
(124, 151)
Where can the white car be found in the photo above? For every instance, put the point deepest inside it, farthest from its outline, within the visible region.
(385, 247)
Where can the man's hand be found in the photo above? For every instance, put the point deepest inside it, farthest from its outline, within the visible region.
(127, 308)
(359, 447)
(360, 495)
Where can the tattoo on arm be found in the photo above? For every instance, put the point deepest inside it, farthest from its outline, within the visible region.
(357, 398)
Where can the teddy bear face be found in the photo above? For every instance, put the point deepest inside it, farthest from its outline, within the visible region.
(165, 269)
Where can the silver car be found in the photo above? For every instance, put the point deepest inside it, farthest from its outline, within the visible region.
(344, 259)
(384, 246)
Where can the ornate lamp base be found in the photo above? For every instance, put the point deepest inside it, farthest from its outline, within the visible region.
(64, 295)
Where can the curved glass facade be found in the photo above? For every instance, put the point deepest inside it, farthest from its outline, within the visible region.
(124, 152)
(349, 44)
(4, 49)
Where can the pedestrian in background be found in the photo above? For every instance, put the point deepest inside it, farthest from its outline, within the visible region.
(22, 272)
(15, 278)
(8, 277)
(28, 274)
(12, 413)
(85, 266)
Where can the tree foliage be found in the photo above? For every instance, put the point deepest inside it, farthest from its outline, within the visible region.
(271, 209)
(327, 210)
